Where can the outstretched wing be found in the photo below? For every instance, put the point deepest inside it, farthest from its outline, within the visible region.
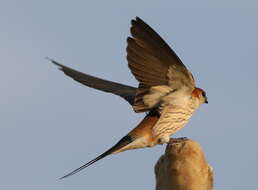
(155, 65)
(126, 92)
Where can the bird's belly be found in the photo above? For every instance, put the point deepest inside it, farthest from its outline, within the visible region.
(170, 122)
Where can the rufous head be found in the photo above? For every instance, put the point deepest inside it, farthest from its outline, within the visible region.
(200, 94)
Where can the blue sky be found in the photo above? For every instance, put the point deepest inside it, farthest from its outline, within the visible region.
(51, 125)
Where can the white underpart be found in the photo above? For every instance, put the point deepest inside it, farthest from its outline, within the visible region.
(176, 108)
(155, 95)
(178, 98)
(164, 94)
(172, 119)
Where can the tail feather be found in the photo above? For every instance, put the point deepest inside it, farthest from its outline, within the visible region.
(122, 143)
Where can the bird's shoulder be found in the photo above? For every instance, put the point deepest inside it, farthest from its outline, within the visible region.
(164, 95)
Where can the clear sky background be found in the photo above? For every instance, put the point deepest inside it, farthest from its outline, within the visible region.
(51, 124)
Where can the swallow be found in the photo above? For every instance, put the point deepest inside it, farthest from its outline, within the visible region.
(166, 90)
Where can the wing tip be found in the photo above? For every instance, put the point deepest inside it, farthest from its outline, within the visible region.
(51, 60)
(136, 20)
(60, 66)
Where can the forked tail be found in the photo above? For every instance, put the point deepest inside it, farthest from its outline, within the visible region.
(122, 143)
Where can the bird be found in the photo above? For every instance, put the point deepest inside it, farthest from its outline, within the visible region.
(166, 90)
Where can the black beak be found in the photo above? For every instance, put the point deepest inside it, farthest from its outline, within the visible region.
(206, 101)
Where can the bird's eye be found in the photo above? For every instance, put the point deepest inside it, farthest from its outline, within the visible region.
(203, 94)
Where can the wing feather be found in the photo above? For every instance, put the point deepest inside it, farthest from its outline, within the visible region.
(153, 63)
(124, 91)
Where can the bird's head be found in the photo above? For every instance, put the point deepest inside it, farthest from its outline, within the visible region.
(200, 94)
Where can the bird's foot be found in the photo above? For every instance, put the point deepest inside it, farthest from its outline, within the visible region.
(164, 140)
(178, 140)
